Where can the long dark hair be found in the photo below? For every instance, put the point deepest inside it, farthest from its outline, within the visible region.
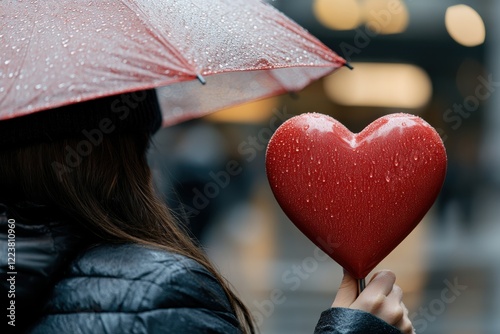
(110, 192)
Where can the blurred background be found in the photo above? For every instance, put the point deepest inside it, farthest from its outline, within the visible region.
(439, 60)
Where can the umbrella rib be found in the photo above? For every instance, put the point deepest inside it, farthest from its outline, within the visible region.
(172, 49)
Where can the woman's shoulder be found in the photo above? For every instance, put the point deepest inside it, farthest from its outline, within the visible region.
(157, 277)
(139, 285)
(133, 262)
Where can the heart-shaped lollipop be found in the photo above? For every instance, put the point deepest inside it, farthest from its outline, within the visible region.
(356, 196)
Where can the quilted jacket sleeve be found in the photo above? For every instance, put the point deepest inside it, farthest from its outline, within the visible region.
(348, 321)
(132, 289)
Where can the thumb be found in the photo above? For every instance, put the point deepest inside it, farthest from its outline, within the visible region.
(348, 291)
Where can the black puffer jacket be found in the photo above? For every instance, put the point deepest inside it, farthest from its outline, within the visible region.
(65, 285)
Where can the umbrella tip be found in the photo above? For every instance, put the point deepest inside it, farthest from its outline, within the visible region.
(201, 79)
(349, 66)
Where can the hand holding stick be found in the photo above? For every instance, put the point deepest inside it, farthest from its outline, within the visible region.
(382, 298)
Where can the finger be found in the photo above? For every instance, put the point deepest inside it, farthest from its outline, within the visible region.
(405, 326)
(347, 292)
(381, 283)
(373, 298)
(393, 310)
(396, 295)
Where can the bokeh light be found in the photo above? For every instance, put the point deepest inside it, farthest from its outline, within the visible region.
(385, 16)
(380, 85)
(465, 25)
(338, 14)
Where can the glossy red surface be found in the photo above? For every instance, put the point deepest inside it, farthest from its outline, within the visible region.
(356, 196)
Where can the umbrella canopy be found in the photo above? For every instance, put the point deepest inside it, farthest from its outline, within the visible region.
(55, 53)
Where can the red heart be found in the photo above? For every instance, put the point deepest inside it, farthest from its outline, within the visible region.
(356, 196)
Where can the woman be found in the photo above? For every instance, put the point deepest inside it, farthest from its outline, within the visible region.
(96, 251)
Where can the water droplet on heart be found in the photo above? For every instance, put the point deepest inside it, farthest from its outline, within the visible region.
(387, 178)
(309, 184)
(307, 200)
(415, 158)
(297, 149)
(297, 140)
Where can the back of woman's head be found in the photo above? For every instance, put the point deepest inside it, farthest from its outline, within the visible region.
(87, 160)
(107, 191)
(99, 177)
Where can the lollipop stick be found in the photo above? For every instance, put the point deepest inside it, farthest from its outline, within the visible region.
(361, 285)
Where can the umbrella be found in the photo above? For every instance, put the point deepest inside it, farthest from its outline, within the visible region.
(54, 53)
